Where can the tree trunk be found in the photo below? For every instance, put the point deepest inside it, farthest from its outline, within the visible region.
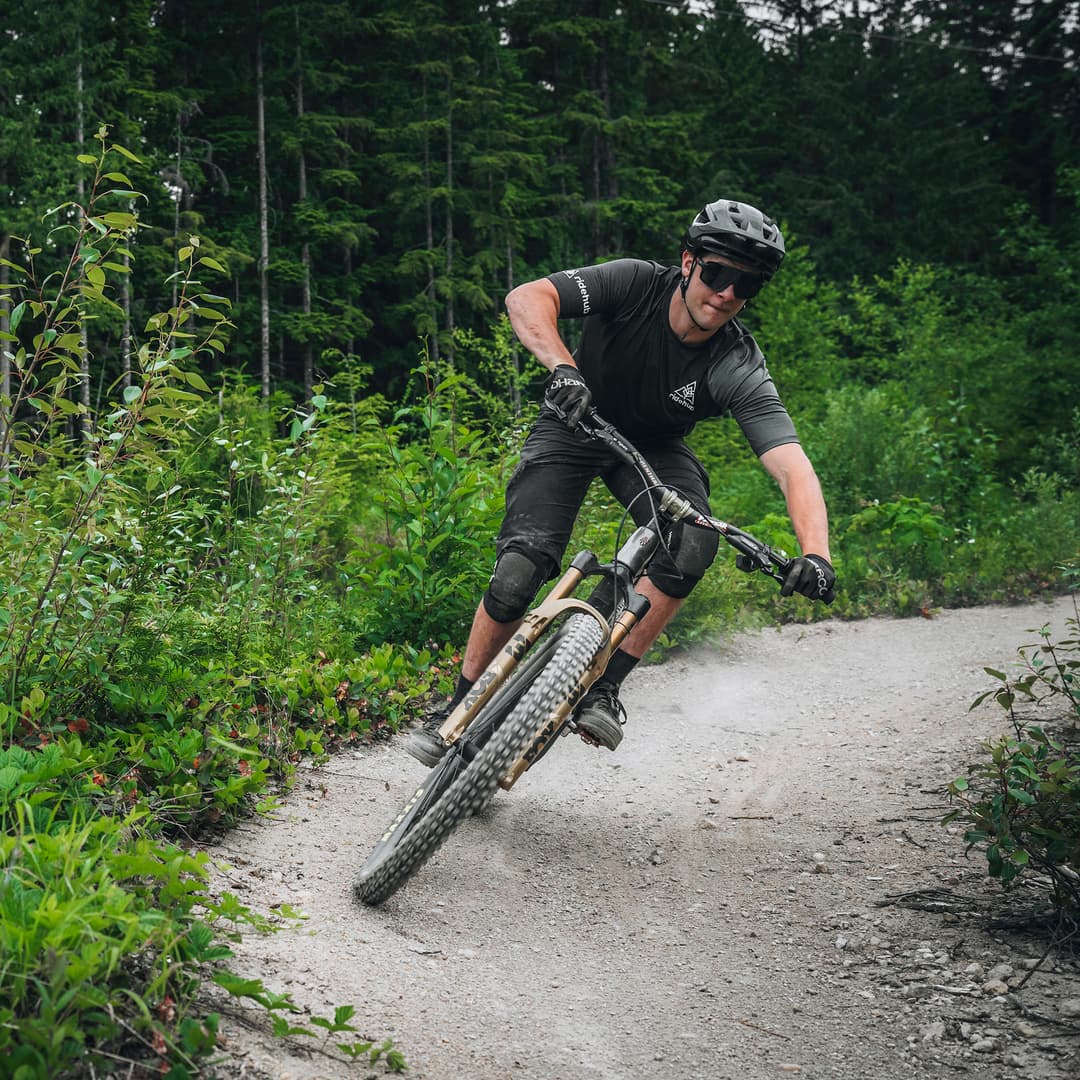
(305, 247)
(264, 226)
(125, 330)
(450, 222)
(515, 356)
(85, 420)
(176, 209)
(429, 223)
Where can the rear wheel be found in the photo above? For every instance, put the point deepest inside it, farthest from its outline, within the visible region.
(458, 787)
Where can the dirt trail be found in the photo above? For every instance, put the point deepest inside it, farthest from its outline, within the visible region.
(727, 896)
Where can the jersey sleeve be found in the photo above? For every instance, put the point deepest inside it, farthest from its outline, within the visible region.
(763, 418)
(742, 387)
(604, 288)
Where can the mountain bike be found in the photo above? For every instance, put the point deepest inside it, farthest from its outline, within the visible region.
(527, 697)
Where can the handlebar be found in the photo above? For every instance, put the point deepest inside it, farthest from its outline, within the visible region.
(753, 554)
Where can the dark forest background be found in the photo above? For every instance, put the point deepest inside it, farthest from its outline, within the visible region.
(370, 173)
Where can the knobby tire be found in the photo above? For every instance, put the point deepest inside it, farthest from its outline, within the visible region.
(456, 790)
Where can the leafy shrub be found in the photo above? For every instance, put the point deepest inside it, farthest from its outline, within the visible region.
(69, 509)
(907, 531)
(100, 938)
(442, 497)
(1021, 804)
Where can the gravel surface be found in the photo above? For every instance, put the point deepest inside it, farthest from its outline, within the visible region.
(756, 884)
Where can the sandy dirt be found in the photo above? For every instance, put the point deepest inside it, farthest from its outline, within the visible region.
(756, 884)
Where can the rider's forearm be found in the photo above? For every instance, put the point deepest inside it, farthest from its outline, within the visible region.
(791, 469)
(809, 518)
(533, 309)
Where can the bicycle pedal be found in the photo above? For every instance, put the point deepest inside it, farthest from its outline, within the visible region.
(585, 737)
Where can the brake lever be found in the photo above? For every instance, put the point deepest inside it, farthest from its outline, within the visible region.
(752, 555)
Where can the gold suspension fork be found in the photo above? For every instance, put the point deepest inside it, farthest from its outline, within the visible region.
(552, 725)
(533, 624)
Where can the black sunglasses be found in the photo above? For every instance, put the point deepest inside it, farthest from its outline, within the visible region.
(718, 277)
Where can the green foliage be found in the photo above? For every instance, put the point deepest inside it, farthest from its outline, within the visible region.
(1052, 674)
(1021, 804)
(280, 1004)
(103, 933)
(161, 561)
(70, 587)
(799, 323)
(907, 531)
(442, 499)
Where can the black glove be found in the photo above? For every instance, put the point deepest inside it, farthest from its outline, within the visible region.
(812, 576)
(568, 395)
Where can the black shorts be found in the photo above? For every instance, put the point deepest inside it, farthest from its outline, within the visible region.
(549, 485)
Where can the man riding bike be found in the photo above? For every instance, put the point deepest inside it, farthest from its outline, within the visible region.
(661, 348)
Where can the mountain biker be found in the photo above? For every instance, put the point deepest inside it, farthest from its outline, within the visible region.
(661, 348)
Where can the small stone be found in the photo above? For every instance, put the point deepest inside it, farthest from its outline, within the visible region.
(1070, 1008)
(788, 1067)
(993, 987)
(1000, 971)
(933, 1032)
(983, 1046)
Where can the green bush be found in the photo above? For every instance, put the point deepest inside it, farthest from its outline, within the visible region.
(442, 500)
(1020, 804)
(103, 931)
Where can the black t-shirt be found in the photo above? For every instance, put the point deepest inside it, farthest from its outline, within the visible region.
(644, 379)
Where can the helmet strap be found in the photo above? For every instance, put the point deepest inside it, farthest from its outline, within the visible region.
(683, 286)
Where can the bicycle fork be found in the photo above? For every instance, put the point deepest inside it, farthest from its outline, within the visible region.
(629, 562)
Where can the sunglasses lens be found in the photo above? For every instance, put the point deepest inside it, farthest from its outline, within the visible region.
(747, 285)
(718, 277)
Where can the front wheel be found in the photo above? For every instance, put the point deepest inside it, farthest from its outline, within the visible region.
(457, 787)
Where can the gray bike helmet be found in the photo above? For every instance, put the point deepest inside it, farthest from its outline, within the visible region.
(739, 232)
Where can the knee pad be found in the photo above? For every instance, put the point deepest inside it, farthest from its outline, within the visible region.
(693, 551)
(513, 586)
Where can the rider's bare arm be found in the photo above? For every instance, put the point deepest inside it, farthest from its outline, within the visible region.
(791, 469)
(533, 309)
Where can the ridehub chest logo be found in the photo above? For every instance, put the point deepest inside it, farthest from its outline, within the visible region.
(684, 396)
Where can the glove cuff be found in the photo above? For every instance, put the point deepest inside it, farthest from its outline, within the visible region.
(567, 371)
